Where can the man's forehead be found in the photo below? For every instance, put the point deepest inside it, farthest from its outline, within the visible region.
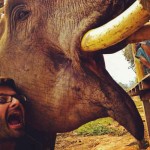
(6, 90)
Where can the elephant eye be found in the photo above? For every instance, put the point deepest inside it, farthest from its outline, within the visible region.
(23, 15)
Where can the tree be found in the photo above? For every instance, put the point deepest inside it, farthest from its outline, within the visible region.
(127, 52)
(124, 86)
(127, 87)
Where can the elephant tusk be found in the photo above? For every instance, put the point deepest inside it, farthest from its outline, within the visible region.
(116, 30)
(141, 35)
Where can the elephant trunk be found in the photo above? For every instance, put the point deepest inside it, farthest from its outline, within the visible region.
(121, 107)
(104, 93)
(116, 30)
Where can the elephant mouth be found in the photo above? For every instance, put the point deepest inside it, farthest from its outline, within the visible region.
(116, 30)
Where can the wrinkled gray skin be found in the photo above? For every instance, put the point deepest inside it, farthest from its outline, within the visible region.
(40, 50)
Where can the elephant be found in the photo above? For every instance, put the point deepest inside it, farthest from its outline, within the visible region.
(40, 48)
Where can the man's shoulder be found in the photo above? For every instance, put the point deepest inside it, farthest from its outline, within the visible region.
(27, 143)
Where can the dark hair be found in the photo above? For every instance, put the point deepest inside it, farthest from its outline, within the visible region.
(8, 82)
(11, 83)
(138, 45)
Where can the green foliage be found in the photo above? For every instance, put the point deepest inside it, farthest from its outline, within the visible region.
(99, 127)
(97, 130)
(127, 52)
(124, 86)
(127, 87)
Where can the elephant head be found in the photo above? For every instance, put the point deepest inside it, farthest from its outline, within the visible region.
(67, 87)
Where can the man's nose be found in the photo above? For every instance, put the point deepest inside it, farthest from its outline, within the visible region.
(14, 103)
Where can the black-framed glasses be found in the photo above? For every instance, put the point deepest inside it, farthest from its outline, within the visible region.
(8, 98)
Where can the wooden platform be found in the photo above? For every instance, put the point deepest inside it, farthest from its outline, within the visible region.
(142, 88)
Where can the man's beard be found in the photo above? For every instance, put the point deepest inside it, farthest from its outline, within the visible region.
(6, 133)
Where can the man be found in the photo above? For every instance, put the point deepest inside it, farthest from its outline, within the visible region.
(143, 54)
(12, 114)
(13, 134)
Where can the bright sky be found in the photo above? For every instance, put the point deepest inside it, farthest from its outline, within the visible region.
(118, 68)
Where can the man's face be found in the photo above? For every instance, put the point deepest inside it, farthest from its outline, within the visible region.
(12, 116)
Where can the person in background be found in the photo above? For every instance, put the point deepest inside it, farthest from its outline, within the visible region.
(143, 54)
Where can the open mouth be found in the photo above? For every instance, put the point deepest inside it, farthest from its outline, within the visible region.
(15, 120)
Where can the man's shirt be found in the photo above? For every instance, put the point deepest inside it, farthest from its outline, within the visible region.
(141, 52)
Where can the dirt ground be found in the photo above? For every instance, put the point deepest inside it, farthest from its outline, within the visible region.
(104, 142)
(70, 141)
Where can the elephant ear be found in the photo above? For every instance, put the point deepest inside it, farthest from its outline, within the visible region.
(146, 4)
